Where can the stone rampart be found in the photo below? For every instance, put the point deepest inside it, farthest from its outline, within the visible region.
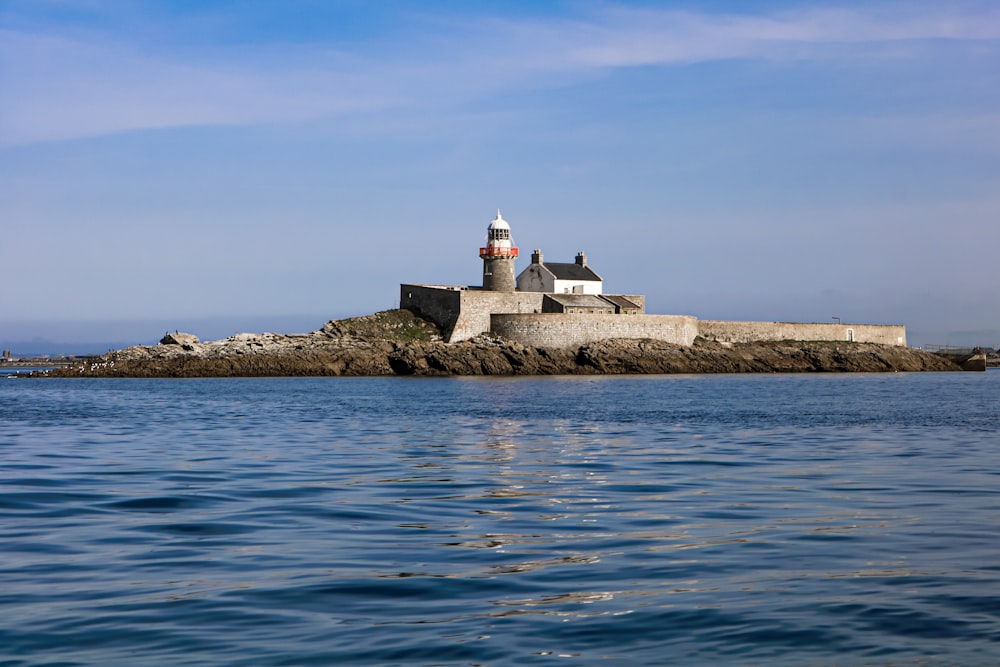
(726, 331)
(478, 305)
(441, 304)
(461, 312)
(557, 330)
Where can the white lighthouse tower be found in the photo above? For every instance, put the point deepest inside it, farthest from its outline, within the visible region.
(498, 257)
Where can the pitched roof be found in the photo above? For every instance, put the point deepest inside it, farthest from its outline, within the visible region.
(571, 271)
(620, 301)
(579, 300)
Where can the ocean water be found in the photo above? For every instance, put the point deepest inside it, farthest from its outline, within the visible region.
(670, 520)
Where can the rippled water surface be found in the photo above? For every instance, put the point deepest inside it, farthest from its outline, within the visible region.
(730, 520)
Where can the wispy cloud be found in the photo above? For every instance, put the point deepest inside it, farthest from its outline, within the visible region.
(60, 88)
(643, 37)
(64, 84)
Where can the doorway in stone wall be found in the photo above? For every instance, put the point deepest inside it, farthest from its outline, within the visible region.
(850, 335)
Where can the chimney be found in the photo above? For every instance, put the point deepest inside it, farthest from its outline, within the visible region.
(536, 256)
(581, 259)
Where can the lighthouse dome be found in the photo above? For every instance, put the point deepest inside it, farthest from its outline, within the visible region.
(498, 233)
(499, 222)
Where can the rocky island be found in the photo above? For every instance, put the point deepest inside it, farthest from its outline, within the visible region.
(553, 319)
(397, 342)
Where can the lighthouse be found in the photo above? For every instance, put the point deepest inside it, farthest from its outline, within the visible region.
(498, 257)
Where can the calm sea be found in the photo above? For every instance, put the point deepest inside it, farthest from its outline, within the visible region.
(686, 520)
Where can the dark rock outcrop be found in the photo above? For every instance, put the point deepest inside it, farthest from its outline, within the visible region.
(647, 356)
(399, 343)
(480, 356)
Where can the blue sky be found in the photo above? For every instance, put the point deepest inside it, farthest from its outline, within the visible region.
(247, 165)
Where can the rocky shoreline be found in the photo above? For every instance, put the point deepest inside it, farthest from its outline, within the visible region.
(399, 343)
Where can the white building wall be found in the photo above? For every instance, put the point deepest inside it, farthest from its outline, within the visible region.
(577, 287)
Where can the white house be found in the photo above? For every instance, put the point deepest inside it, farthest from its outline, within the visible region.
(559, 278)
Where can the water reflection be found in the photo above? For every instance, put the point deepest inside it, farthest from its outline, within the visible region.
(701, 521)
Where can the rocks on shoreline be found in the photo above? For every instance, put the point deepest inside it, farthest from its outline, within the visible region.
(397, 342)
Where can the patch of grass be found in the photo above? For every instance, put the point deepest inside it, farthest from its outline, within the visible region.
(394, 325)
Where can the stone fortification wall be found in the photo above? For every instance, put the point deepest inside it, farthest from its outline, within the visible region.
(557, 330)
(462, 312)
(441, 304)
(753, 332)
(478, 305)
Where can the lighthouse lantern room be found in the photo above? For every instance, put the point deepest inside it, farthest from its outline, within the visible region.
(498, 257)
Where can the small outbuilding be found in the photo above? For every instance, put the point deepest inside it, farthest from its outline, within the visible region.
(590, 304)
(622, 305)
